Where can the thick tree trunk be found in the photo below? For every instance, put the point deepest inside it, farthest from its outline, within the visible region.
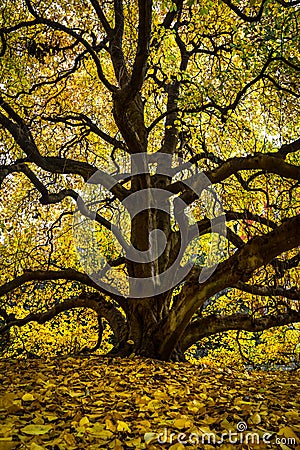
(143, 320)
(146, 348)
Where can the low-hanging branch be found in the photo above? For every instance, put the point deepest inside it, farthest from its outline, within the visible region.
(52, 275)
(269, 291)
(213, 324)
(259, 251)
(95, 302)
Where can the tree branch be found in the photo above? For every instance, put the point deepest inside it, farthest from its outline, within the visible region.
(116, 45)
(285, 149)
(243, 16)
(93, 301)
(23, 137)
(143, 44)
(213, 324)
(101, 16)
(265, 162)
(267, 291)
(269, 163)
(78, 37)
(52, 275)
(48, 199)
(83, 120)
(239, 267)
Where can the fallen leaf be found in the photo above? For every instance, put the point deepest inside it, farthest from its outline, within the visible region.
(36, 429)
(28, 398)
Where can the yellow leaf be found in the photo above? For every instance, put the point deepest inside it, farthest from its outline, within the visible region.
(34, 446)
(134, 442)
(7, 400)
(7, 444)
(36, 429)
(177, 446)
(154, 404)
(116, 444)
(284, 447)
(122, 426)
(205, 430)
(109, 425)
(28, 398)
(288, 432)
(69, 438)
(181, 423)
(97, 430)
(256, 419)
(84, 421)
(209, 420)
(227, 425)
(13, 409)
(38, 420)
(50, 417)
(75, 394)
(150, 437)
(5, 430)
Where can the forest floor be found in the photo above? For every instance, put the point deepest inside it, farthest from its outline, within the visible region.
(95, 403)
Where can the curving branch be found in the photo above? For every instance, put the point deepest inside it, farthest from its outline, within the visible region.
(269, 163)
(203, 226)
(52, 275)
(279, 87)
(266, 162)
(23, 137)
(54, 79)
(19, 26)
(101, 16)
(95, 302)
(285, 149)
(249, 216)
(173, 109)
(267, 291)
(58, 26)
(48, 199)
(281, 266)
(244, 16)
(239, 267)
(170, 16)
(79, 120)
(213, 324)
(289, 4)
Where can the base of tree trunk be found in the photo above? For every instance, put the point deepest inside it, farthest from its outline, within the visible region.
(126, 350)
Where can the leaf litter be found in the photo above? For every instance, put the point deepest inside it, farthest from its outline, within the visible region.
(136, 403)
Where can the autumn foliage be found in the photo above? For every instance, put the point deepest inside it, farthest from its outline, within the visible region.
(79, 403)
(187, 110)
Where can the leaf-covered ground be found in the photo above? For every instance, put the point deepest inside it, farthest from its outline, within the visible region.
(94, 403)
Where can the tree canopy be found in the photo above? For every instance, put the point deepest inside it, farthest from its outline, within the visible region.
(150, 168)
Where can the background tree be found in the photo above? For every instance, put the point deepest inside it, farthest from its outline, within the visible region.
(84, 86)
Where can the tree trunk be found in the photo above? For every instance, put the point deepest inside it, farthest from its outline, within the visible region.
(144, 316)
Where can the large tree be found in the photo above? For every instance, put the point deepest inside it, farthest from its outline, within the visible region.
(185, 113)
